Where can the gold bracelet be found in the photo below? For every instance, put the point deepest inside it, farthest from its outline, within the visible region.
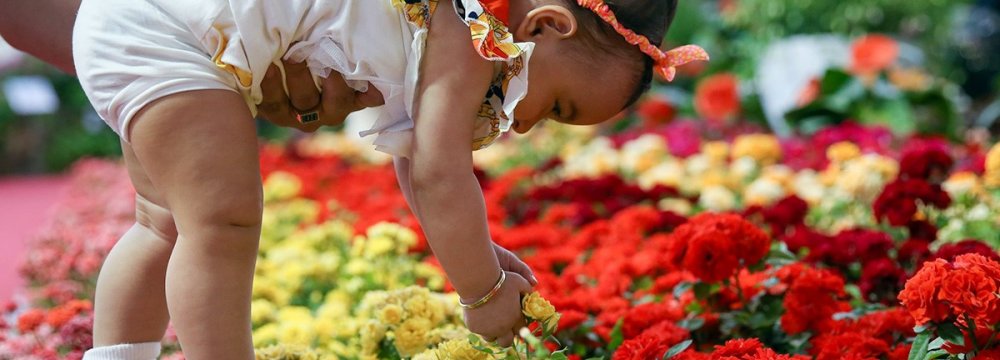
(490, 295)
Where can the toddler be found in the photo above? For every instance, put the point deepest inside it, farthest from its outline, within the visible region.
(178, 80)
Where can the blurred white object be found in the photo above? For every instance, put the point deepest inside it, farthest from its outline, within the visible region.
(30, 95)
(788, 65)
(9, 56)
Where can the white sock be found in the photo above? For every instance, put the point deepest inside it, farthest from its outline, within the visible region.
(141, 351)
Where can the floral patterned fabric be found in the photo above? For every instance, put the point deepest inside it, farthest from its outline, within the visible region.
(494, 42)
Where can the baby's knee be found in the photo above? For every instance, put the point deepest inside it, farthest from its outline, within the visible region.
(234, 212)
(156, 218)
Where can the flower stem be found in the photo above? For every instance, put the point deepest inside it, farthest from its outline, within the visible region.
(972, 333)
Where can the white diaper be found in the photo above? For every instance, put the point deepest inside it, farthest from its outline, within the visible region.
(129, 53)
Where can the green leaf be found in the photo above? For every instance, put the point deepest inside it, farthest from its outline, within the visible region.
(681, 288)
(936, 354)
(919, 349)
(676, 349)
(702, 290)
(951, 333)
(692, 324)
(617, 337)
(558, 355)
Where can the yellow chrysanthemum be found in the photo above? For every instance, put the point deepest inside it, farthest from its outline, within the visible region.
(459, 349)
(764, 148)
(281, 185)
(715, 151)
(391, 314)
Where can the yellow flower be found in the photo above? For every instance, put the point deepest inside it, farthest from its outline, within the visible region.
(536, 307)
(992, 176)
(411, 336)
(372, 333)
(265, 335)
(717, 198)
(764, 148)
(763, 192)
(281, 185)
(716, 151)
(459, 349)
(842, 151)
(391, 314)
(261, 311)
(285, 352)
(910, 79)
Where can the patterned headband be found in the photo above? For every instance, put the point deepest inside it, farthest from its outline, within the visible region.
(665, 62)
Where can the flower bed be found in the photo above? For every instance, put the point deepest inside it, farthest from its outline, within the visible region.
(748, 247)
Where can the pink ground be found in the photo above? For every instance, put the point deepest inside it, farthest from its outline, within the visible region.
(25, 204)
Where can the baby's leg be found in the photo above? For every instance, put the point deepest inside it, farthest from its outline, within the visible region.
(199, 149)
(131, 304)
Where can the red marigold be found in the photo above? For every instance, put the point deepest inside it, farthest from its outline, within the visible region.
(717, 97)
(873, 53)
(714, 246)
(30, 320)
(920, 295)
(898, 201)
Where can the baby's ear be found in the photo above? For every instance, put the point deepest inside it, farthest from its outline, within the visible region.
(553, 21)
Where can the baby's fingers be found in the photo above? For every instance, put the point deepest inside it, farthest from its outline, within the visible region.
(506, 340)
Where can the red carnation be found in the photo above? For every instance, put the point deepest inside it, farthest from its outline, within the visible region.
(846, 345)
(812, 298)
(714, 246)
(971, 246)
(920, 295)
(790, 211)
(881, 280)
(898, 201)
(925, 161)
(644, 347)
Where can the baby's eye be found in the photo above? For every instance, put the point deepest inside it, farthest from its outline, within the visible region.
(556, 110)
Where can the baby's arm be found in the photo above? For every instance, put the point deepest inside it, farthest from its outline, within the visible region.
(446, 194)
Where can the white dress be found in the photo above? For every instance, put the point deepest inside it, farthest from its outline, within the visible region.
(131, 52)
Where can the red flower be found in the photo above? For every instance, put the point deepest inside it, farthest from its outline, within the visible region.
(971, 246)
(717, 98)
(923, 230)
(913, 251)
(926, 162)
(737, 348)
(841, 346)
(790, 211)
(656, 111)
(30, 320)
(644, 316)
(714, 246)
(812, 298)
(898, 201)
(920, 295)
(644, 347)
(881, 280)
(873, 53)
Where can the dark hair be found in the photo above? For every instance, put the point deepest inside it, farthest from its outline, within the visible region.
(649, 18)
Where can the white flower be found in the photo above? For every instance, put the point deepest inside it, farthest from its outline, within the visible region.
(669, 172)
(808, 187)
(643, 153)
(717, 198)
(763, 192)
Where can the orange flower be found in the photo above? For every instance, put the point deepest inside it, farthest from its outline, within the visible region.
(66, 312)
(30, 320)
(717, 97)
(972, 288)
(873, 53)
(921, 295)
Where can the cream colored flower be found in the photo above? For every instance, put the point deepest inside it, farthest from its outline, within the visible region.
(643, 153)
(459, 349)
(717, 198)
(677, 205)
(391, 314)
(961, 183)
(372, 333)
(764, 148)
(262, 310)
(668, 172)
(763, 192)
(286, 352)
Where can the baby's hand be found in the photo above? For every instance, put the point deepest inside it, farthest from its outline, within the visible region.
(500, 318)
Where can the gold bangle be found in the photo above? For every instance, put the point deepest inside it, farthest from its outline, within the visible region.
(490, 295)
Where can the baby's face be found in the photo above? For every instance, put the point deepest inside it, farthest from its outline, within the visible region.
(569, 91)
